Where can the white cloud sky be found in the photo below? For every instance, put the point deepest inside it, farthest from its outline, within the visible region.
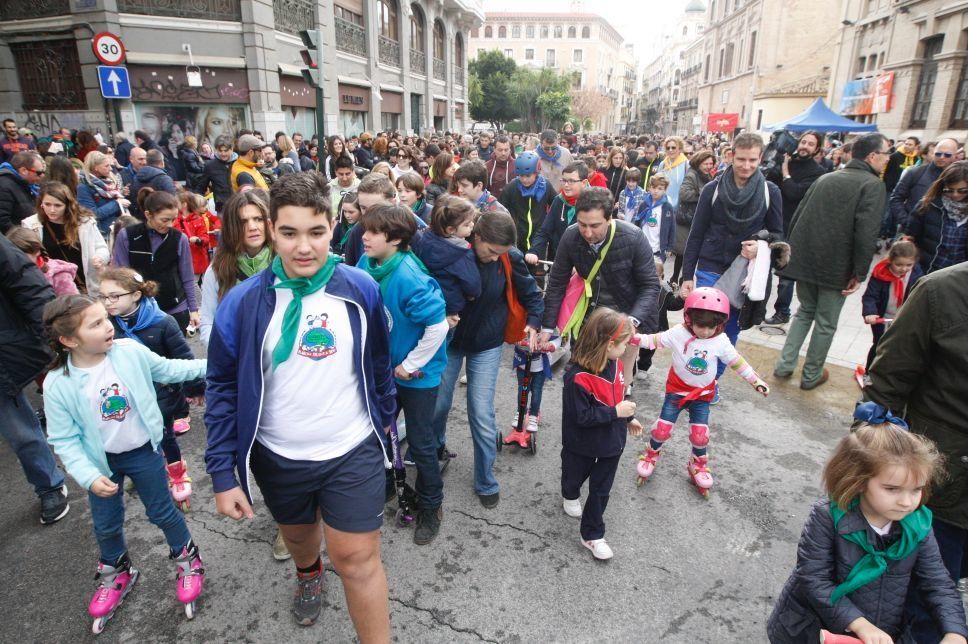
(639, 21)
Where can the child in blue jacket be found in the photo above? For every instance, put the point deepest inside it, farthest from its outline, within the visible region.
(891, 282)
(631, 197)
(418, 345)
(655, 218)
(104, 423)
(446, 253)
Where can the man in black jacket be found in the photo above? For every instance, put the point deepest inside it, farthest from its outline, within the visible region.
(16, 178)
(626, 280)
(152, 176)
(215, 175)
(914, 183)
(24, 354)
(794, 177)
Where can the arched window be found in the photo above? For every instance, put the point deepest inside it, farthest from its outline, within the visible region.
(571, 32)
(387, 11)
(459, 50)
(439, 40)
(516, 31)
(417, 40)
(544, 31)
(586, 32)
(488, 32)
(502, 32)
(558, 31)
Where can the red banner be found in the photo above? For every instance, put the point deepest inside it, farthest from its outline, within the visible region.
(720, 122)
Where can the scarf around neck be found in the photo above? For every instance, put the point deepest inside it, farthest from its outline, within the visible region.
(537, 189)
(148, 314)
(647, 208)
(483, 199)
(669, 164)
(743, 205)
(914, 528)
(96, 184)
(630, 196)
(882, 272)
(380, 272)
(554, 160)
(957, 211)
(249, 266)
(300, 287)
(569, 206)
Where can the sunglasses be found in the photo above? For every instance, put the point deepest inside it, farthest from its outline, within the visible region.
(944, 155)
(961, 192)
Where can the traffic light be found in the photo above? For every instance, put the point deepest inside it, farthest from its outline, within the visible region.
(312, 56)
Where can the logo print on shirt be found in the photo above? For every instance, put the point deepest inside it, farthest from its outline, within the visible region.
(697, 365)
(114, 405)
(652, 221)
(318, 341)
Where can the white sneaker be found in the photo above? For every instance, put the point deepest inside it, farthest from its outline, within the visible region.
(572, 507)
(532, 424)
(599, 548)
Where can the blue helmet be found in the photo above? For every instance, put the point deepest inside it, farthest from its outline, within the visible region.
(526, 163)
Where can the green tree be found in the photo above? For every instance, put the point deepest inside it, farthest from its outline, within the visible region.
(554, 107)
(526, 89)
(491, 73)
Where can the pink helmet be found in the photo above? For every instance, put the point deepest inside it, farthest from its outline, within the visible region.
(706, 298)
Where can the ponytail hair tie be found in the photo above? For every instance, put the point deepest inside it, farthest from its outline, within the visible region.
(874, 414)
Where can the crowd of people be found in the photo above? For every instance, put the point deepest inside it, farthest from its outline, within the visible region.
(386, 266)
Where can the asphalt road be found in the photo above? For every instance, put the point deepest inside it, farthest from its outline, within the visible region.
(686, 569)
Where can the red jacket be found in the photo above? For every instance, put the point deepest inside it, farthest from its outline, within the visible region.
(597, 180)
(194, 226)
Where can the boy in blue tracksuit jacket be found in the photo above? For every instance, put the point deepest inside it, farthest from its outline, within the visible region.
(418, 353)
(301, 392)
(655, 218)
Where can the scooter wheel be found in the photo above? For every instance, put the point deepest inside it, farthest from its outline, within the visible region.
(500, 441)
(403, 520)
(533, 445)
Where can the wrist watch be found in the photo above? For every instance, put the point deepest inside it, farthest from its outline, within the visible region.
(786, 176)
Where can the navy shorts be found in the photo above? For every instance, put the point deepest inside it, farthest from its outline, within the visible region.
(348, 491)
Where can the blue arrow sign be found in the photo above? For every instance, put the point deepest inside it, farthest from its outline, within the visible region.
(114, 81)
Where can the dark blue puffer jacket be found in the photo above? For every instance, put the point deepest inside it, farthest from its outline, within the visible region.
(927, 229)
(454, 268)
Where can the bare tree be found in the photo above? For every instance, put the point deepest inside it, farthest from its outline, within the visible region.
(590, 105)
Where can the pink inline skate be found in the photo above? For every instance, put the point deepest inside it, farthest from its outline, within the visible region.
(113, 585)
(189, 577)
(646, 465)
(698, 468)
(180, 484)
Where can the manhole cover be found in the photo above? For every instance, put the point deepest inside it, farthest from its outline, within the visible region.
(772, 330)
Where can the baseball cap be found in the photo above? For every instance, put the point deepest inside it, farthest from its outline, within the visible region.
(248, 142)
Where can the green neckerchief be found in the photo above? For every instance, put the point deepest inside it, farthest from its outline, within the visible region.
(914, 528)
(300, 287)
(383, 271)
(418, 207)
(346, 235)
(249, 266)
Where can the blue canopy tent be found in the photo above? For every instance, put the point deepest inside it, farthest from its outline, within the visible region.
(821, 118)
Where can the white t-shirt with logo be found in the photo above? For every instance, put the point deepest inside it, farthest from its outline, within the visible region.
(651, 225)
(312, 409)
(120, 424)
(694, 360)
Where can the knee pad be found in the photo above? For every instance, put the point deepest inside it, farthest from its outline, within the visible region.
(699, 435)
(662, 430)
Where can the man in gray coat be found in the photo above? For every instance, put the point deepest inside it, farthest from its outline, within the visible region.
(832, 238)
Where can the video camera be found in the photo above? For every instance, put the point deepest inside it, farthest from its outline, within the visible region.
(782, 142)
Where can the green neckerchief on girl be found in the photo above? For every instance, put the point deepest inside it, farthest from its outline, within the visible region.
(346, 235)
(914, 528)
(418, 207)
(300, 287)
(249, 266)
(383, 271)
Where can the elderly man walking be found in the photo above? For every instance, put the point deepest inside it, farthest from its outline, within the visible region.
(832, 237)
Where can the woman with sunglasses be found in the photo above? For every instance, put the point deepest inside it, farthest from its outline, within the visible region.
(674, 167)
(938, 226)
(402, 167)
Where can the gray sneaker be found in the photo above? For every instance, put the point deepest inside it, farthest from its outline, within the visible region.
(308, 600)
(54, 506)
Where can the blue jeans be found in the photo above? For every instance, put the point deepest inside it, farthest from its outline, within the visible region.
(953, 545)
(784, 296)
(146, 468)
(698, 410)
(537, 386)
(20, 427)
(705, 278)
(418, 407)
(482, 370)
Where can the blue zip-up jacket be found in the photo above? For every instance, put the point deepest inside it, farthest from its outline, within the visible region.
(235, 383)
(413, 302)
(454, 268)
(667, 225)
(72, 429)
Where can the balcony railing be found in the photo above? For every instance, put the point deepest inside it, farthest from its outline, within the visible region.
(35, 9)
(459, 75)
(350, 37)
(440, 69)
(389, 51)
(418, 61)
(197, 9)
(292, 16)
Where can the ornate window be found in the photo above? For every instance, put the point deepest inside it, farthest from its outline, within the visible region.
(387, 11)
(502, 32)
(50, 75)
(515, 31)
(929, 74)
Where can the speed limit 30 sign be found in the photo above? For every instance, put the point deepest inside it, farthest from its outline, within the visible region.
(108, 48)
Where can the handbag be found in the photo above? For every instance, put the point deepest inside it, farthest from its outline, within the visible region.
(517, 315)
(574, 305)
